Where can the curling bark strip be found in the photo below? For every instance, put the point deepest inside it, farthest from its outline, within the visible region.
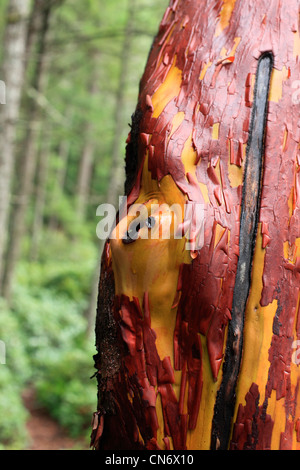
(167, 366)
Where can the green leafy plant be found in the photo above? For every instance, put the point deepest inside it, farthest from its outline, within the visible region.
(13, 434)
(67, 389)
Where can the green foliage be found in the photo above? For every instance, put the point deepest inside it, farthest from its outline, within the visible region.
(44, 331)
(45, 337)
(13, 433)
(12, 334)
(68, 390)
(71, 283)
(48, 323)
(13, 374)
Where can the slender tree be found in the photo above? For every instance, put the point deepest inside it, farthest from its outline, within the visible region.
(40, 192)
(28, 148)
(117, 172)
(12, 74)
(87, 156)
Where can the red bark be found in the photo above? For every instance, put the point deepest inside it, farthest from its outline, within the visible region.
(218, 67)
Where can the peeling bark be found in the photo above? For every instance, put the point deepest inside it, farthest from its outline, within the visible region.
(207, 335)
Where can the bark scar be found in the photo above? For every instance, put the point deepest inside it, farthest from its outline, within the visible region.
(225, 402)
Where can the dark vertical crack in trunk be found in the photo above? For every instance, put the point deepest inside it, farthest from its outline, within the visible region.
(225, 402)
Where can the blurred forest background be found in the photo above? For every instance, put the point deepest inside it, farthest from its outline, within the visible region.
(71, 71)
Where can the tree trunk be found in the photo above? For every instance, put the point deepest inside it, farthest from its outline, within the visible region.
(61, 173)
(117, 173)
(87, 158)
(63, 153)
(198, 333)
(92, 305)
(12, 74)
(85, 174)
(28, 157)
(40, 193)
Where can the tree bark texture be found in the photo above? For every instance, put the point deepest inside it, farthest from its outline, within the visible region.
(197, 347)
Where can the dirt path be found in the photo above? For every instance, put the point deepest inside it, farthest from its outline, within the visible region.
(44, 432)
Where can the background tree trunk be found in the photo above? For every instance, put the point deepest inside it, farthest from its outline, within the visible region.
(28, 149)
(40, 192)
(87, 157)
(64, 149)
(117, 171)
(12, 74)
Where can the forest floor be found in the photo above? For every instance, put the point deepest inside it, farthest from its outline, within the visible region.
(44, 432)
